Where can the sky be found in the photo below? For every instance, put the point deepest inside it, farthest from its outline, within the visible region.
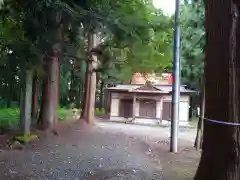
(167, 6)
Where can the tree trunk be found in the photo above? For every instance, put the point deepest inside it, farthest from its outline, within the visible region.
(49, 114)
(199, 137)
(25, 109)
(220, 158)
(92, 42)
(85, 104)
(35, 96)
(45, 97)
(56, 86)
(101, 94)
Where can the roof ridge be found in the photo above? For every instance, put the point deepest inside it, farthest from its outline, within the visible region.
(148, 84)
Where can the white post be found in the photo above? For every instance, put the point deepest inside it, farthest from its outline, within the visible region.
(134, 107)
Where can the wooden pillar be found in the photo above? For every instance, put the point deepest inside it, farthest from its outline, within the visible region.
(158, 110)
(134, 107)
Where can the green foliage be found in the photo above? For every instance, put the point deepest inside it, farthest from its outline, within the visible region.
(65, 78)
(193, 41)
(70, 106)
(135, 37)
(9, 117)
(148, 52)
(14, 42)
(99, 112)
(145, 57)
(63, 114)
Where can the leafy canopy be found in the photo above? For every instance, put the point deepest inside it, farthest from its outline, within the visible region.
(193, 40)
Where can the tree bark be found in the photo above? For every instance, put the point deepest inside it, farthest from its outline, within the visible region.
(56, 74)
(49, 114)
(25, 109)
(92, 43)
(35, 96)
(199, 137)
(85, 104)
(220, 158)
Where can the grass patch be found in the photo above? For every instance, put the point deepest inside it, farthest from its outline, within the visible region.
(63, 114)
(99, 112)
(9, 117)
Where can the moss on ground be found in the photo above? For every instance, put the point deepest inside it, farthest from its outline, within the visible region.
(26, 138)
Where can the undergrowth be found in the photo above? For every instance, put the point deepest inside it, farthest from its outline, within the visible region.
(99, 112)
(9, 117)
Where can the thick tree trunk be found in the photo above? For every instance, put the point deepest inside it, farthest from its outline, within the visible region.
(56, 86)
(25, 109)
(85, 104)
(199, 137)
(35, 96)
(49, 114)
(92, 42)
(220, 158)
(46, 100)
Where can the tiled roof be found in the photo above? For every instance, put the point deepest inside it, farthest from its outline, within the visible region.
(162, 88)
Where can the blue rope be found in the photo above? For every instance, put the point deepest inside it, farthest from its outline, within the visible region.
(223, 122)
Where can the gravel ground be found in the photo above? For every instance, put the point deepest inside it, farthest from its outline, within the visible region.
(179, 166)
(186, 135)
(96, 154)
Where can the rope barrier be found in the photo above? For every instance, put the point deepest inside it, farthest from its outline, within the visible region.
(222, 122)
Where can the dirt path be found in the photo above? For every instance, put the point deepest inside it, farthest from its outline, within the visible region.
(92, 154)
(155, 132)
(180, 166)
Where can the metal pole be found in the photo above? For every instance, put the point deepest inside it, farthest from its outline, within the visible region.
(176, 81)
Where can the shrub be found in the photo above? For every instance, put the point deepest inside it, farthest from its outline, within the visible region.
(9, 118)
(63, 114)
(70, 106)
(99, 112)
